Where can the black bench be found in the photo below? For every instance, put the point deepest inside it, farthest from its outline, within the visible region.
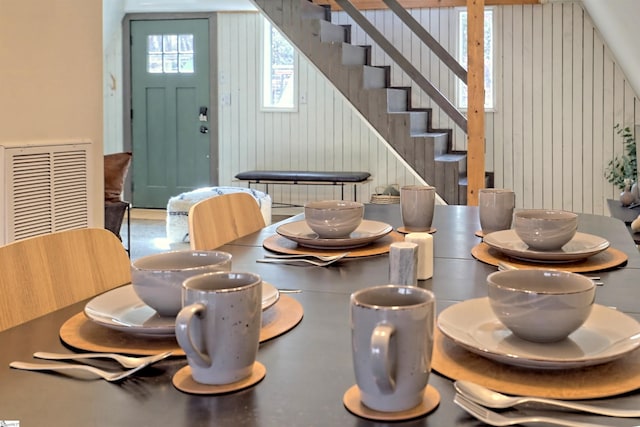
(340, 178)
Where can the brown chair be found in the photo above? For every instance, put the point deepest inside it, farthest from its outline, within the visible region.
(221, 219)
(116, 167)
(48, 272)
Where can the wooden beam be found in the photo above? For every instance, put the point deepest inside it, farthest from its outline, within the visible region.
(417, 4)
(475, 109)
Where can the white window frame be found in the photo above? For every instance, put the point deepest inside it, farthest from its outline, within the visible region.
(461, 87)
(265, 73)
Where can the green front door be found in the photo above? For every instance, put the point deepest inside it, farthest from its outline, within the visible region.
(170, 103)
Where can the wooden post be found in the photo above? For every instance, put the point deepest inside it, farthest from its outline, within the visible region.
(475, 107)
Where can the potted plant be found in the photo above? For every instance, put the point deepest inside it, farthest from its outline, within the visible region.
(622, 171)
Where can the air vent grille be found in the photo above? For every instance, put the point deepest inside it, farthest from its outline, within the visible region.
(47, 189)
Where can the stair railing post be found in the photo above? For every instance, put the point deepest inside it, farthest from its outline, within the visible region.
(475, 112)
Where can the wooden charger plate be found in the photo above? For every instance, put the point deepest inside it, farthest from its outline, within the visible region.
(281, 244)
(81, 333)
(609, 258)
(608, 379)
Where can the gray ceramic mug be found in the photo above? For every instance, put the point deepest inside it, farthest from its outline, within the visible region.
(219, 325)
(495, 207)
(417, 203)
(392, 343)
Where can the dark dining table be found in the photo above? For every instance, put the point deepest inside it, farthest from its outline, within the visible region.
(309, 368)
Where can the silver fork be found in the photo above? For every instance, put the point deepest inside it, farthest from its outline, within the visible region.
(303, 256)
(302, 260)
(125, 361)
(496, 419)
(109, 376)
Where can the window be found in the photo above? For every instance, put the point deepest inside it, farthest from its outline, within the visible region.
(279, 91)
(170, 54)
(489, 87)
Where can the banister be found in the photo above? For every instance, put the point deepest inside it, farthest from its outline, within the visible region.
(426, 38)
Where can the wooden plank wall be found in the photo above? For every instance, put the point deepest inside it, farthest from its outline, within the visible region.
(324, 134)
(559, 94)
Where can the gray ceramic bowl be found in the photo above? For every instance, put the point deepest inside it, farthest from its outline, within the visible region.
(333, 219)
(545, 230)
(157, 279)
(541, 305)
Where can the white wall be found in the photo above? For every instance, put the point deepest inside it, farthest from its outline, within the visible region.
(50, 87)
(560, 93)
(112, 13)
(324, 134)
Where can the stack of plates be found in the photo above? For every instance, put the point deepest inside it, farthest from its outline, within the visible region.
(582, 246)
(366, 233)
(606, 335)
(121, 309)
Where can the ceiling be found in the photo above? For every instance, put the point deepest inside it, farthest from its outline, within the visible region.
(189, 5)
(617, 22)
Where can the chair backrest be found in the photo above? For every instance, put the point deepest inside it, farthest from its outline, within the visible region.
(48, 272)
(221, 219)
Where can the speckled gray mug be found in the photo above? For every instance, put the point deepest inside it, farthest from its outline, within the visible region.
(392, 330)
(219, 325)
(417, 203)
(495, 207)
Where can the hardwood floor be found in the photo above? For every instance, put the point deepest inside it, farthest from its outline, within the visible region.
(149, 235)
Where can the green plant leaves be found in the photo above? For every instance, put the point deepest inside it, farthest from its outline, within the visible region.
(623, 167)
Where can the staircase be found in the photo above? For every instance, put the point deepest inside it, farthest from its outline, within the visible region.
(387, 109)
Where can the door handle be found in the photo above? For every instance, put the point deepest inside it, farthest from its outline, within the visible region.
(204, 129)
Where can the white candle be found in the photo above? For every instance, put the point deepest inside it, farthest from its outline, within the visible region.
(425, 253)
(403, 263)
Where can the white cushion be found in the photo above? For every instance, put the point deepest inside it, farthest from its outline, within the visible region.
(178, 208)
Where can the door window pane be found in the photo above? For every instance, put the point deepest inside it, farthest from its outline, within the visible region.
(170, 43)
(170, 63)
(186, 63)
(170, 54)
(154, 63)
(185, 43)
(154, 44)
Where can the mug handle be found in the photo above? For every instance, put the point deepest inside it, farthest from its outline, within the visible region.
(383, 357)
(183, 326)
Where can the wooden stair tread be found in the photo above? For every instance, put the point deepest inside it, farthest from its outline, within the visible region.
(451, 157)
(429, 134)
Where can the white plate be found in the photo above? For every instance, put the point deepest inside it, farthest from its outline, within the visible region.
(121, 309)
(472, 325)
(580, 247)
(367, 232)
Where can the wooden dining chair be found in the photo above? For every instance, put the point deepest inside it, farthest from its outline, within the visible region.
(221, 219)
(48, 272)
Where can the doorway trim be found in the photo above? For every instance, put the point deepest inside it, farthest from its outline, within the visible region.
(213, 84)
